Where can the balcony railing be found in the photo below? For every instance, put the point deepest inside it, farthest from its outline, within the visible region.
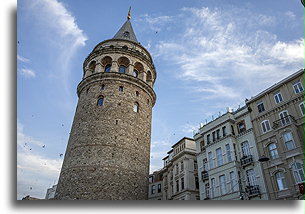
(246, 160)
(253, 190)
(285, 121)
(204, 175)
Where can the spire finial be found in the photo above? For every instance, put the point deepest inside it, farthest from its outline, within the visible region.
(128, 16)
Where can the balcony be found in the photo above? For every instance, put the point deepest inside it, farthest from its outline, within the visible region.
(285, 121)
(253, 191)
(204, 175)
(246, 160)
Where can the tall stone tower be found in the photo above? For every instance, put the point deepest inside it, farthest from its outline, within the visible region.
(108, 152)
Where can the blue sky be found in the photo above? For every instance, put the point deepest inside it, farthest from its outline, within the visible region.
(209, 55)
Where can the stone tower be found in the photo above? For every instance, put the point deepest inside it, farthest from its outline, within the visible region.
(108, 151)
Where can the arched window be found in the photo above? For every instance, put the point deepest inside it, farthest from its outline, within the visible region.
(298, 172)
(273, 151)
(148, 77)
(92, 66)
(121, 88)
(280, 180)
(136, 107)
(135, 73)
(100, 101)
(107, 68)
(122, 69)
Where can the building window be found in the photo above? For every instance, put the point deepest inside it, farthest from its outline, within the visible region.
(219, 157)
(278, 97)
(273, 151)
(213, 136)
(280, 180)
(126, 34)
(218, 134)
(177, 185)
(159, 187)
(102, 87)
(241, 126)
(222, 183)
(288, 140)
(284, 118)
(122, 69)
(121, 89)
(228, 150)
(153, 189)
(196, 182)
(195, 165)
(232, 129)
(298, 172)
(182, 183)
(265, 126)
(108, 68)
(302, 108)
(177, 169)
(298, 87)
(213, 184)
(260, 107)
(136, 107)
(211, 162)
(182, 166)
(251, 178)
(233, 181)
(245, 148)
(135, 73)
(208, 139)
(224, 131)
(207, 190)
(137, 93)
(100, 101)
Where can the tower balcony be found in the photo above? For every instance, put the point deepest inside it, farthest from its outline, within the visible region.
(285, 121)
(253, 191)
(246, 160)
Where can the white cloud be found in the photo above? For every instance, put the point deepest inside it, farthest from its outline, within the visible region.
(221, 52)
(22, 59)
(27, 73)
(35, 173)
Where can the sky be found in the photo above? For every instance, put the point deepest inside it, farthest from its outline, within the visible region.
(209, 56)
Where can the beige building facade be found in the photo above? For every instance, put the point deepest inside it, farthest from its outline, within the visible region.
(227, 157)
(277, 115)
(155, 189)
(180, 175)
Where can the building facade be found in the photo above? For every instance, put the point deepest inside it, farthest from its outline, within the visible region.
(180, 176)
(155, 190)
(108, 152)
(51, 192)
(227, 158)
(277, 115)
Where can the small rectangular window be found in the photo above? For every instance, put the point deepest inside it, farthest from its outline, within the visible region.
(208, 138)
(159, 187)
(153, 189)
(265, 126)
(260, 107)
(218, 134)
(214, 136)
(298, 87)
(241, 126)
(224, 131)
(278, 97)
(121, 89)
(219, 157)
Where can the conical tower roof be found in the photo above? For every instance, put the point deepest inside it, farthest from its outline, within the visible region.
(126, 31)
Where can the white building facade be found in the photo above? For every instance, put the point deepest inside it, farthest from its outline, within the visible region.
(180, 175)
(227, 157)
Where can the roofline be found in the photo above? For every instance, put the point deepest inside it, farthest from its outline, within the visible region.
(276, 85)
(184, 138)
(165, 157)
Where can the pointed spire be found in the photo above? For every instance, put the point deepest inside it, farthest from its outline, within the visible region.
(126, 31)
(128, 15)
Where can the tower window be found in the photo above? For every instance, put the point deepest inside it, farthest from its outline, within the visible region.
(137, 93)
(126, 34)
(122, 69)
(107, 68)
(135, 73)
(102, 87)
(136, 107)
(121, 89)
(100, 101)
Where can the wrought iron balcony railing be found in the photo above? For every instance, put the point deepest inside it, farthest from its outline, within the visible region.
(253, 190)
(246, 160)
(284, 121)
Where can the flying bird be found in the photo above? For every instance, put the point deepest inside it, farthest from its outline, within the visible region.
(60, 155)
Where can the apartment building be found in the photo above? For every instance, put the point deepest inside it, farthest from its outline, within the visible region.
(155, 187)
(227, 158)
(277, 115)
(180, 176)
